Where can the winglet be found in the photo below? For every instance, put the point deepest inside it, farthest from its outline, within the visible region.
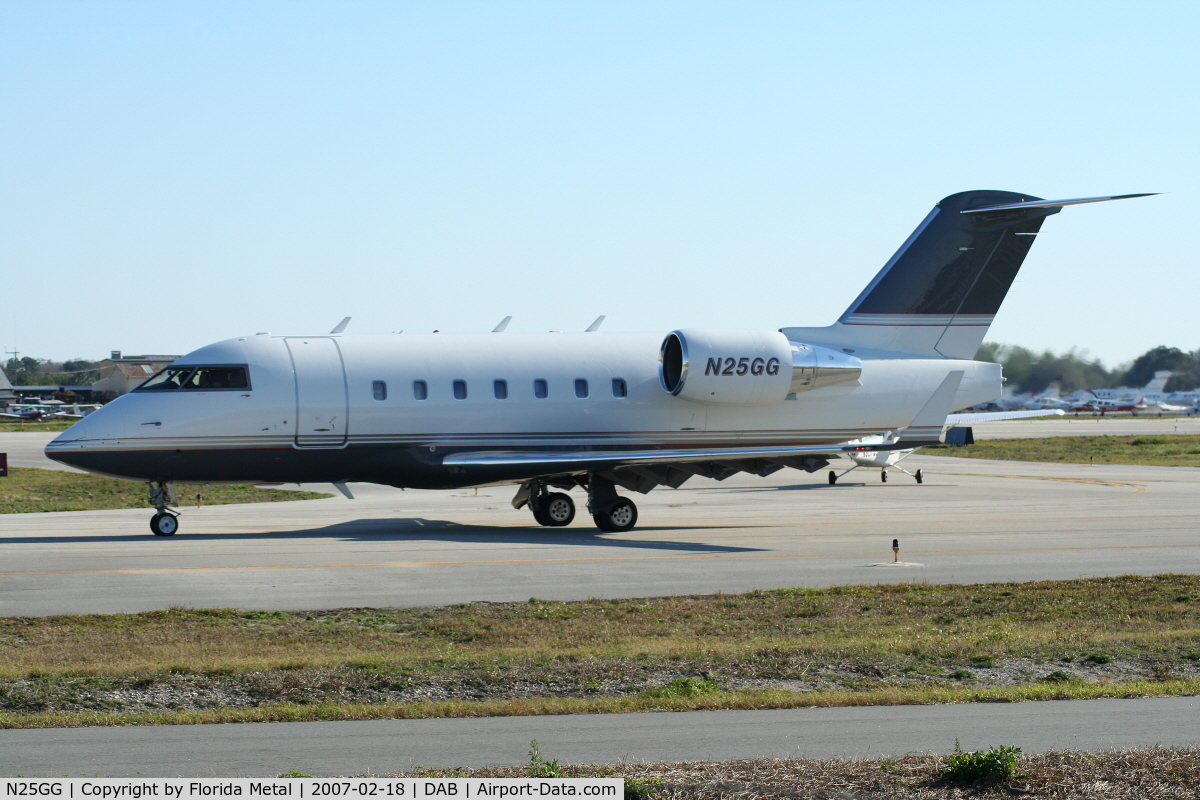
(927, 425)
(503, 324)
(595, 326)
(341, 326)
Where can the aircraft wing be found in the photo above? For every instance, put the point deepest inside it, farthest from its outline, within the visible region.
(994, 416)
(599, 459)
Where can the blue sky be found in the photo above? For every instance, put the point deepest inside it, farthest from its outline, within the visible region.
(174, 173)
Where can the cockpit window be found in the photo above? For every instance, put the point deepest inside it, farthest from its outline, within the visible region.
(169, 378)
(206, 378)
(198, 379)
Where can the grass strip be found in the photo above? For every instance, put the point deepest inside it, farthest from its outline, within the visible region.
(50, 426)
(540, 706)
(869, 644)
(28, 490)
(1166, 450)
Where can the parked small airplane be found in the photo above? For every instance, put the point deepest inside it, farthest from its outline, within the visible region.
(586, 410)
(883, 460)
(28, 413)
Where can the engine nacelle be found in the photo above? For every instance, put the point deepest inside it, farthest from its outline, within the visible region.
(747, 367)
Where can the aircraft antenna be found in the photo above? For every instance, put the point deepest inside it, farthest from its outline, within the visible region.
(341, 326)
(595, 326)
(503, 324)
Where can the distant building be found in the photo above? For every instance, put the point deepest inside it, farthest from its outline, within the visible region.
(120, 374)
(6, 390)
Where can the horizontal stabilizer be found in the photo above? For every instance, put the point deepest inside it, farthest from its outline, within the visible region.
(1053, 203)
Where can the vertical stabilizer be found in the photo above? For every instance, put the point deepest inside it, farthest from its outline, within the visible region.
(939, 293)
(1158, 382)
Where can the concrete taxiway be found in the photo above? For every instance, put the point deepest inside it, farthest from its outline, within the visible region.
(971, 521)
(387, 746)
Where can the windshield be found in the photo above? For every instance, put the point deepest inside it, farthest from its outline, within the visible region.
(198, 379)
(169, 378)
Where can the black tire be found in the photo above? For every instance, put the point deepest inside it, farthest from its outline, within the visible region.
(883, 475)
(164, 524)
(832, 477)
(618, 518)
(555, 510)
(920, 478)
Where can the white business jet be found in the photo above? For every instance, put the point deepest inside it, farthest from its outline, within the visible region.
(557, 411)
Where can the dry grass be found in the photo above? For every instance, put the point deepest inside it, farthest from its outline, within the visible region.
(784, 632)
(551, 705)
(1160, 773)
(50, 426)
(1169, 450)
(856, 645)
(37, 490)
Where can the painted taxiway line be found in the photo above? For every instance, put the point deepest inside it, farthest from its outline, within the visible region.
(691, 557)
(1094, 481)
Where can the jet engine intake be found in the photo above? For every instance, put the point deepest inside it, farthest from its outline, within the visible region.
(747, 367)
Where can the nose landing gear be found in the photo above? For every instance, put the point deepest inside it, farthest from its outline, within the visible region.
(165, 522)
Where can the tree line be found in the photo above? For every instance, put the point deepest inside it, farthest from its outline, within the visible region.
(29, 371)
(1028, 371)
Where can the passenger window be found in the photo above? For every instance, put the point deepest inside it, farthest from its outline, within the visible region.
(420, 390)
(619, 388)
(379, 390)
(207, 378)
(169, 378)
(500, 389)
(460, 390)
(540, 390)
(581, 388)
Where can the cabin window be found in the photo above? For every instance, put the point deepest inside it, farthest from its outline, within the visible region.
(581, 388)
(460, 390)
(379, 390)
(500, 389)
(540, 390)
(206, 379)
(619, 388)
(420, 390)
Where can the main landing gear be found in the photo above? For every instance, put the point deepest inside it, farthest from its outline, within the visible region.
(552, 509)
(165, 522)
(609, 511)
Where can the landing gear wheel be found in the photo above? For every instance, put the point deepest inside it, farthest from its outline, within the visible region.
(832, 477)
(919, 477)
(883, 475)
(555, 510)
(618, 518)
(164, 524)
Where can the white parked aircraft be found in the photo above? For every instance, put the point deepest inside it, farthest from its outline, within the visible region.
(592, 410)
(883, 460)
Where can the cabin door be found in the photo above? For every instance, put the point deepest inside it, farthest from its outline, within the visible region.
(321, 396)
